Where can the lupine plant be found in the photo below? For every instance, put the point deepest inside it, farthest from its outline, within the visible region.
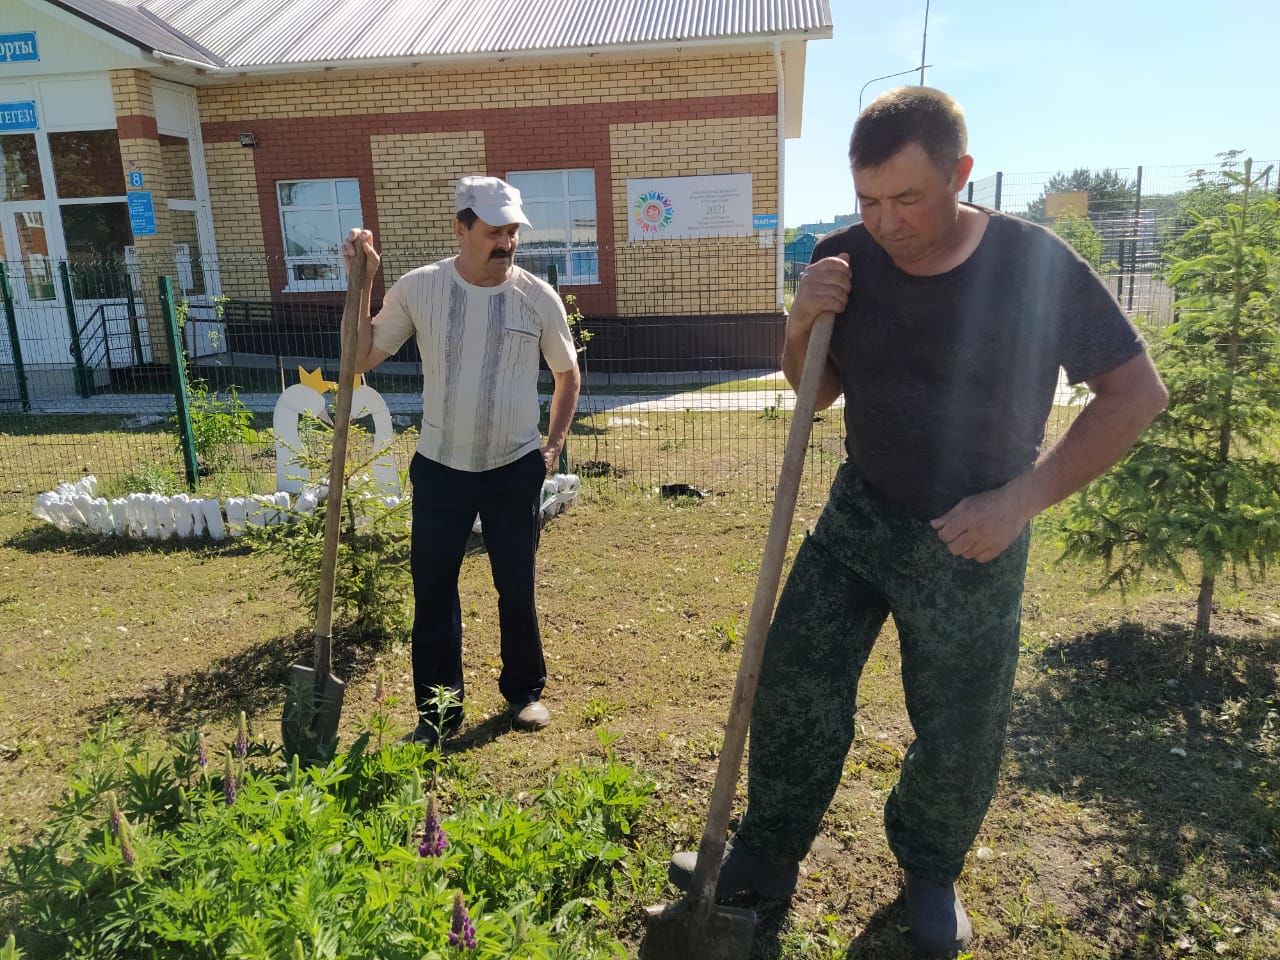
(152, 854)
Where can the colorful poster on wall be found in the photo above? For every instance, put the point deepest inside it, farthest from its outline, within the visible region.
(684, 208)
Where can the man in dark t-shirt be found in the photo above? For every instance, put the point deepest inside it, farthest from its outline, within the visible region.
(952, 322)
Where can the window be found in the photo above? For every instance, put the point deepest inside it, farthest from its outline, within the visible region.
(561, 205)
(20, 168)
(87, 164)
(314, 217)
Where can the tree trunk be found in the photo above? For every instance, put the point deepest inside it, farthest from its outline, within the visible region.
(1204, 611)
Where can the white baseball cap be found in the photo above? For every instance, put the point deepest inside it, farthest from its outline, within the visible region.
(494, 201)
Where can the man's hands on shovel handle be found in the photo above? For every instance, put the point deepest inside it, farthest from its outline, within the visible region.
(358, 239)
(824, 288)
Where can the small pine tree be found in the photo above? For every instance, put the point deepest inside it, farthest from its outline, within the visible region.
(1205, 478)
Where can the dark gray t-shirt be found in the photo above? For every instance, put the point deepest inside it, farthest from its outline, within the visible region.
(949, 379)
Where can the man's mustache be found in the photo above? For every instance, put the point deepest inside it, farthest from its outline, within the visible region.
(501, 254)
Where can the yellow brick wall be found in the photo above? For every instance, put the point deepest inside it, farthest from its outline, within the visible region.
(414, 174)
(571, 82)
(237, 220)
(696, 276)
(176, 162)
(131, 91)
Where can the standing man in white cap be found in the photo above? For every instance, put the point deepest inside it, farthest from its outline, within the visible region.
(481, 323)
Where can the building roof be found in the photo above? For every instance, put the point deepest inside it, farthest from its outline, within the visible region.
(240, 34)
(132, 22)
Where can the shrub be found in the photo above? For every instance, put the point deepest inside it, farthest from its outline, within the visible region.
(372, 588)
(155, 855)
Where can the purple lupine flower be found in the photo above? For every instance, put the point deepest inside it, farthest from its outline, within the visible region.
(126, 848)
(463, 932)
(242, 737)
(115, 819)
(229, 784)
(202, 753)
(434, 842)
(118, 823)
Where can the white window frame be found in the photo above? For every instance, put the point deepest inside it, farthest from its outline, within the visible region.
(338, 282)
(568, 278)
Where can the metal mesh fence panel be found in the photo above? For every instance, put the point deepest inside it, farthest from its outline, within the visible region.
(681, 382)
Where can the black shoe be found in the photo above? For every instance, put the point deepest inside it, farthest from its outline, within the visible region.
(939, 925)
(741, 871)
(429, 735)
(530, 716)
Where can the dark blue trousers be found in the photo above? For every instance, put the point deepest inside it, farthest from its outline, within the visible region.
(445, 504)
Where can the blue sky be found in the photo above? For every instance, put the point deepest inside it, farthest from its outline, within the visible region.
(1048, 86)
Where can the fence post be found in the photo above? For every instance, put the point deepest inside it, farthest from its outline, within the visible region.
(178, 373)
(999, 187)
(77, 353)
(1133, 239)
(553, 278)
(11, 318)
(135, 335)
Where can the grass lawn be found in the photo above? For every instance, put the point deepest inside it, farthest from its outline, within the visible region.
(1101, 842)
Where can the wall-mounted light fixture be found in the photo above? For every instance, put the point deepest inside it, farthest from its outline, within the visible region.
(247, 139)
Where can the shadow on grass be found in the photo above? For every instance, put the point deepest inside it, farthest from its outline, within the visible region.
(253, 680)
(46, 538)
(883, 937)
(1099, 727)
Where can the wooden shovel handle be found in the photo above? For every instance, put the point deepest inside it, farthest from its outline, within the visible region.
(711, 849)
(337, 465)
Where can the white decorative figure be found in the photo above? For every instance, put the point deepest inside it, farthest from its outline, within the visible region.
(566, 488)
(282, 506)
(307, 501)
(79, 520)
(196, 509)
(162, 514)
(237, 514)
(367, 402)
(181, 515)
(212, 510)
(262, 510)
(548, 505)
(43, 508)
(120, 516)
(308, 396)
(291, 475)
(98, 514)
(133, 512)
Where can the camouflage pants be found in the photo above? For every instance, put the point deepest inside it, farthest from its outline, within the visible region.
(958, 627)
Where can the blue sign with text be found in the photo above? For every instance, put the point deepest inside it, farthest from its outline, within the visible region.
(142, 213)
(18, 116)
(18, 48)
(765, 221)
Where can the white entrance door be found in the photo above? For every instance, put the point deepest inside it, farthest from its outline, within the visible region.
(41, 313)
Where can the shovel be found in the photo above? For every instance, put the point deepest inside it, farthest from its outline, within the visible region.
(313, 702)
(696, 928)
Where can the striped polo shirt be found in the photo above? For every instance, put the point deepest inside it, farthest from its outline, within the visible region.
(479, 348)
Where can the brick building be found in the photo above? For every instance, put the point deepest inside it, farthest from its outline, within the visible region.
(229, 143)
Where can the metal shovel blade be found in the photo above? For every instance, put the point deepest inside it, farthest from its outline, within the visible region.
(670, 933)
(312, 710)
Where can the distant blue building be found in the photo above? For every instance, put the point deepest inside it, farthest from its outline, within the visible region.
(798, 253)
(821, 229)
